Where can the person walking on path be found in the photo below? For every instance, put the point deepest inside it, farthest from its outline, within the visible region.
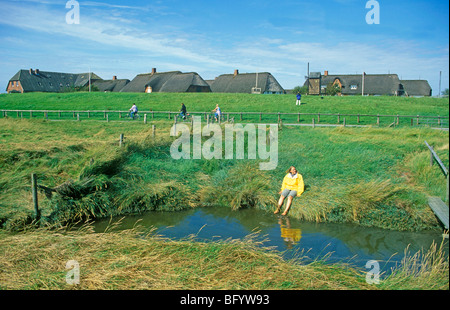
(299, 99)
(293, 186)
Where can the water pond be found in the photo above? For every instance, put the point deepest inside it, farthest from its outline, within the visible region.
(346, 243)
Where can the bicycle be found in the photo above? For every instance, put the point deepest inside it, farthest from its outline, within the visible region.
(135, 116)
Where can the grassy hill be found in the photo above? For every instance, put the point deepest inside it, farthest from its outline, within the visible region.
(228, 102)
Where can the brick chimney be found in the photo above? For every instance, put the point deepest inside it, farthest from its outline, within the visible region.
(153, 71)
(114, 77)
(325, 73)
(236, 72)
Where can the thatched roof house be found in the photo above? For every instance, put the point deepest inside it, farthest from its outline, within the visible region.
(264, 83)
(369, 84)
(374, 84)
(170, 82)
(416, 87)
(114, 85)
(43, 81)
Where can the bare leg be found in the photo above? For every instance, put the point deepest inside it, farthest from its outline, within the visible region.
(280, 203)
(288, 205)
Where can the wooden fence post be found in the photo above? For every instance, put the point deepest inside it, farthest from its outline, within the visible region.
(121, 140)
(107, 118)
(446, 195)
(314, 123)
(34, 190)
(145, 118)
(78, 116)
(153, 131)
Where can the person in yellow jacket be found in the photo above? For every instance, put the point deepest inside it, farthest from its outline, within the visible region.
(292, 186)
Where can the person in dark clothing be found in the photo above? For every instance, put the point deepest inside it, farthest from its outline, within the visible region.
(183, 111)
(299, 99)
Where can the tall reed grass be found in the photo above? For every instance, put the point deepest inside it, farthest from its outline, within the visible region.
(373, 177)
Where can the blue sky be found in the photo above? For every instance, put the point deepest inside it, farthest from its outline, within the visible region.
(125, 38)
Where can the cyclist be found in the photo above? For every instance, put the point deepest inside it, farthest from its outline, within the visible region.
(133, 111)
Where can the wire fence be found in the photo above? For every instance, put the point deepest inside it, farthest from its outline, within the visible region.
(245, 117)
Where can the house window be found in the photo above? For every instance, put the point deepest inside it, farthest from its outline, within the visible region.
(353, 87)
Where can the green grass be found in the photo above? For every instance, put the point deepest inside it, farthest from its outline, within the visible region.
(228, 102)
(131, 260)
(368, 176)
(357, 175)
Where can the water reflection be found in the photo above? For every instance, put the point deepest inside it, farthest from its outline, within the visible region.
(289, 235)
(339, 242)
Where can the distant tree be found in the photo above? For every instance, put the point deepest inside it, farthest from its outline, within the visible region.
(332, 89)
(445, 92)
(300, 89)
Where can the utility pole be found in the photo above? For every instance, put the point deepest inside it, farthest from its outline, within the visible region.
(363, 78)
(89, 79)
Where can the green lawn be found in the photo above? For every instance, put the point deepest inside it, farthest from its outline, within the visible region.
(228, 102)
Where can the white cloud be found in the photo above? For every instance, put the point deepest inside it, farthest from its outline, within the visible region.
(100, 31)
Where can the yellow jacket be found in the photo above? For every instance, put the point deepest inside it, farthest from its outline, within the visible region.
(293, 183)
